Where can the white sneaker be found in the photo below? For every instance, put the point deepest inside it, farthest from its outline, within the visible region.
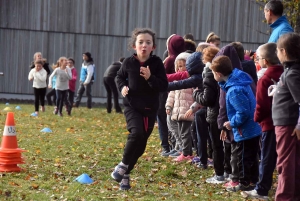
(254, 194)
(216, 180)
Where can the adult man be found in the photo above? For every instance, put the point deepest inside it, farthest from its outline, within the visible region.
(273, 13)
(111, 87)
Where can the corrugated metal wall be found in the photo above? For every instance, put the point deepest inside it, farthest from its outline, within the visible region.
(70, 27)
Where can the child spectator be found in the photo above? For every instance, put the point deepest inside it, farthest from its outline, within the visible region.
(140, 79)
(175, 45)
(111, 87)
(286, 118)
(72, 85)
(177, 104)
(87, 77)
(247, 65)
(180, 66)
(39, 76)
(63, 75)
(213, 39)
(189, 43)
(263, 114)
(209, 97)
(240, 105)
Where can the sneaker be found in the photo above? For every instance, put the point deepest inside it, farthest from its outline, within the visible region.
(254, 194)
(125, 183)
(60, 114)
(239, 187)
(231, 184)
(227, 176)
(182, 158)
(118, 173)
(216, 180)
(55, 111)
(164, 153)
(202, 166)
(210, 163)
(43, 108)
(175, 155)
(195, 160)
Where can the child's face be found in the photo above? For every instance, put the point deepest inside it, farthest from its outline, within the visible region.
(38, 67)
(38, 57)
(260, 60)
(84, 57)
(181, 65)
(143, 45)
(70, 63)
(216, 43)
(217, 76)
(281, 54)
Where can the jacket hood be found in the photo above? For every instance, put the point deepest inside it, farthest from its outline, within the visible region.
(175, 45)
(183, 56)
(230, 52)
(236, 78)
(279, 21)
(189, 45)
(194, 64)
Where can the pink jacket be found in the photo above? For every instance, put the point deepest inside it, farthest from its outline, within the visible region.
(72, 82)
(179, 102)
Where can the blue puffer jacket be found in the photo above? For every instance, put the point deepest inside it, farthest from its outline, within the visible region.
(240, 104)
(194, 66)
(280, 26)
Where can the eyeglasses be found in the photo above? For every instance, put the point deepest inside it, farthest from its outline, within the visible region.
(258, 58)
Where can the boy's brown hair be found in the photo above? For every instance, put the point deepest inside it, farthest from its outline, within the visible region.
(268, 52)
(222, 64)
(209, 53)
(39, 62)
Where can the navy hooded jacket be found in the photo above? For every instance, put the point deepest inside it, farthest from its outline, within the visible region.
(194, 67)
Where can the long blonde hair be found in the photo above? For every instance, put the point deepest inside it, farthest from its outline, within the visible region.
(58, 63)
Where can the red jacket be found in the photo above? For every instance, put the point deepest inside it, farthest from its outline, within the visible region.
(177, 76)
(263, 111)
(72, 82)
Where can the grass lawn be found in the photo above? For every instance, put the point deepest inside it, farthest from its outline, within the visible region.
(91, 142)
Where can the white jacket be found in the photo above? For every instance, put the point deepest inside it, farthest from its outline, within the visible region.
(39, 78)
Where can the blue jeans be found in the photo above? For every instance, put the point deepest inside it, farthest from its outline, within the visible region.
(202, 134)
(267, 163)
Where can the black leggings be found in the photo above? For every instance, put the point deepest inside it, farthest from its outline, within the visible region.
(60, 97)
(39, 96)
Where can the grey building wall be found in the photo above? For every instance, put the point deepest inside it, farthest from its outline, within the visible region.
(70, 27)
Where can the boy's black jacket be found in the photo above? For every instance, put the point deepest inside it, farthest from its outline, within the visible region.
(143, 94)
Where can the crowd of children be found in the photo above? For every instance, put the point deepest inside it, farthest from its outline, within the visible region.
(217, 105)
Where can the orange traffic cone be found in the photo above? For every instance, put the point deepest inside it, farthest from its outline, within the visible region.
(10, 154)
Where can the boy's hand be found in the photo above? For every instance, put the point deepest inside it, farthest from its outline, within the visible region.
(223, 135)
(168, 111)
(145, 72)
(227, 125)
(124, 91)
(297, 133)
(188, 113)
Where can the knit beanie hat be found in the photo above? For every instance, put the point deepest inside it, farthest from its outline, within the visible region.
(181, 56)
